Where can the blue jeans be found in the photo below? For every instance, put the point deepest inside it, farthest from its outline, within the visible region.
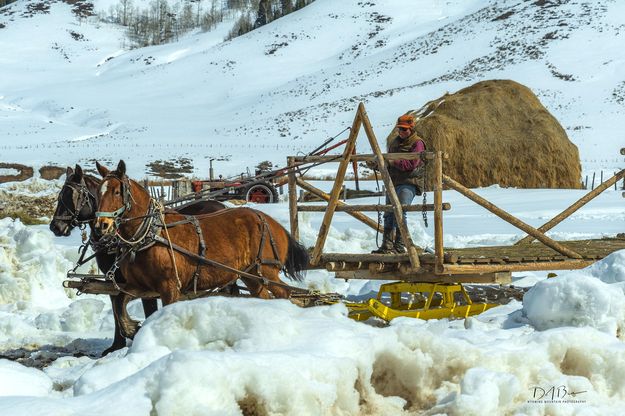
(406, 194)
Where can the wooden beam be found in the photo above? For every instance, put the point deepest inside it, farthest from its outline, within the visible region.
(342, 207)
(360, 217)
(574, 207)
(438, 211)
(510, 219)
(426, 276)
(293, 200)
(454, 269)
(363, 157)
(390, 189)
(98, 287)
(338, 185)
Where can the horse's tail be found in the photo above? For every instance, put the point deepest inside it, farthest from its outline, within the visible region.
(296, 260)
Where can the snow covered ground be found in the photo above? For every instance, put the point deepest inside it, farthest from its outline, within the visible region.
(559, 352)
(70, 93)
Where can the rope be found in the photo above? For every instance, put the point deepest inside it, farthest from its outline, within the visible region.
(140, 240)
(160, 209)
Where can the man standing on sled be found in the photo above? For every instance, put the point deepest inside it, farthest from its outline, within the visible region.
(406, 176)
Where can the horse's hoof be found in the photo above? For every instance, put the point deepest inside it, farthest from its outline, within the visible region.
(112, 348)
(131, 330)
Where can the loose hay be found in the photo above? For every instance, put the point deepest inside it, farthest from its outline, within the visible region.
(498, 132)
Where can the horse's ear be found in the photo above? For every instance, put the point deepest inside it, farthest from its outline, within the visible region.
(103, 171)
(68, 172)
(121, 168)
(79, 172)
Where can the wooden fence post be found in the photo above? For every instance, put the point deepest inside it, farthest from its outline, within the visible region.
(293, 199)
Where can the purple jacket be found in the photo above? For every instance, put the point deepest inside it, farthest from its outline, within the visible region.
(410, 165)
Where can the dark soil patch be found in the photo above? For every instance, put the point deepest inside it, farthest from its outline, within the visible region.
(51, 172)
(43, 356)
(170, 169)
(25, 172)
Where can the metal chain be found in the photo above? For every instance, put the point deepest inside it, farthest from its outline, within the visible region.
(424, 212)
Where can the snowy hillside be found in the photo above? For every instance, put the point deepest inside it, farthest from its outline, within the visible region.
(70, 92)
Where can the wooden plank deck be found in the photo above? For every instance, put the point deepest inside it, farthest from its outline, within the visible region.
(471, 264)
(588, 249)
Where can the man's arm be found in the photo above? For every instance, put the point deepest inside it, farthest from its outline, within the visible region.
(408, 165)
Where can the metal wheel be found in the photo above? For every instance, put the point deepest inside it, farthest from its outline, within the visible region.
(261, 193)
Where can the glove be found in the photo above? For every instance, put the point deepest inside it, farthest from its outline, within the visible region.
(372, 164)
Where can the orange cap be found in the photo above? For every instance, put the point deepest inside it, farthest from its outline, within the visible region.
(406, 121)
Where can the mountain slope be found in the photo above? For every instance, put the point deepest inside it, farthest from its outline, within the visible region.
(72, 93)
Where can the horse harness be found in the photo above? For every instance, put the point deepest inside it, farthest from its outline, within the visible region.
(81, 196)
(149, 233)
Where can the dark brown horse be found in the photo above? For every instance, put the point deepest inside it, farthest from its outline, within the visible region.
(76, 205)
(241, 238)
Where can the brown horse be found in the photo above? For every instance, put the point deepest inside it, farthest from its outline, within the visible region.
(157, 247)
(76, 205)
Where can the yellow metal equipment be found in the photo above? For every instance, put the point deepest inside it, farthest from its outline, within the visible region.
(425, 301)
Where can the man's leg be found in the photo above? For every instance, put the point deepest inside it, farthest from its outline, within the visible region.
(387, 237)
(405, 194)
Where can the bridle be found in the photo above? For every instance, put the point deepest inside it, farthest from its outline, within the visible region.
(126, 200)
(81, 196)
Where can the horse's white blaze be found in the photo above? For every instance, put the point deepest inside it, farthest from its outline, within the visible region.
(104, 188)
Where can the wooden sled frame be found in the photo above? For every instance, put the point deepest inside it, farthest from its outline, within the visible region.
(442, 265)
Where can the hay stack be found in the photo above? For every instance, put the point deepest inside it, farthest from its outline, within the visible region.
(497, 132)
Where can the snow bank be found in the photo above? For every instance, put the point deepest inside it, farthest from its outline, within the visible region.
(32, 267)
(581, 298)
(611, 269)
(17, 380)
(35, 309)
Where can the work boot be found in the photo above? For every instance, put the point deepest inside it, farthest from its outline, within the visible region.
(398, 246)
(387, 243)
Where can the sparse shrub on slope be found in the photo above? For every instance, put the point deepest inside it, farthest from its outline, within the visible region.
(266, 12)
(164, 22)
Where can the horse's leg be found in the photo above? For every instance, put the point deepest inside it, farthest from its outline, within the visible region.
(149, 306)
(256, 288)
(169, 291)
(128, 326)
(119, 341)
(272, 273)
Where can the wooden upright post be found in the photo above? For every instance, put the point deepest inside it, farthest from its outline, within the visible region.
(438, 212)
(293, 199)
(390, 190)
(336, 189)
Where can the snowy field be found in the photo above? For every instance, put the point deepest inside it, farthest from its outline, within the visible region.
(559, 352)
(71, 93)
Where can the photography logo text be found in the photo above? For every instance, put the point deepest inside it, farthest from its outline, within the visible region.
(555, 394)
